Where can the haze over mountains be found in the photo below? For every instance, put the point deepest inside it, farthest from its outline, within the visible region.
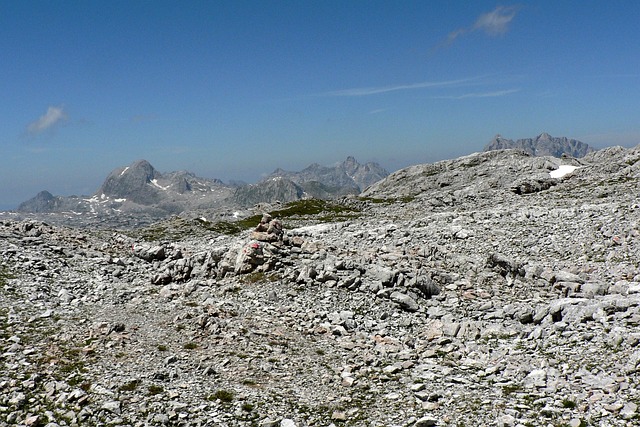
(140, 188)
(139, 194)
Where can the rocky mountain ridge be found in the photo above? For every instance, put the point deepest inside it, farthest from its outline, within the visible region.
(140, 190)
(542, 145)
(315, 181)
(494, 289)
(350, 177)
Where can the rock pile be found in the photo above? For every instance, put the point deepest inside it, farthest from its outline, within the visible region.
(451, 300)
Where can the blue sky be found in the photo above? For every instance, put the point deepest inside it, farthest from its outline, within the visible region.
(233, 90)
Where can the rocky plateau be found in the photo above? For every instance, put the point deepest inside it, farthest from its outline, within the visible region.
(496, 289)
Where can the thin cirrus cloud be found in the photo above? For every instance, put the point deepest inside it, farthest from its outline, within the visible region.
(365, 91)
(49, 120)
(494, 94)
(491, 23)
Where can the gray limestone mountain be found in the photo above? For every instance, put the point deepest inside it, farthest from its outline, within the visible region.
(542, 145)
(267, 191)
(348, 177)
(42, 202)
(140, 184)
(139, 189)
(315, 181)
(45, 202)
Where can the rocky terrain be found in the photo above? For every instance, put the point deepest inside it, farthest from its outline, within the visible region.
(497, 289)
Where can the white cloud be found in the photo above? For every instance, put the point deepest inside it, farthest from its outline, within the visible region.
(364, 91)
(491, 23)
(497, 21)
(481, 94)
(48, 120)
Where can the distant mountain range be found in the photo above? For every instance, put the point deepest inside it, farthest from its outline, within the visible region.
(140, 188)
(542, 145)
(322, 182)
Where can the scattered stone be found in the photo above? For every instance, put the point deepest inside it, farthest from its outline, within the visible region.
(444, 299)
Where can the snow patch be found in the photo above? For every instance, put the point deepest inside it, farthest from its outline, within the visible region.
(125, 169)
(311, 230)
(236, 214)
(155, 182)
(562, 171)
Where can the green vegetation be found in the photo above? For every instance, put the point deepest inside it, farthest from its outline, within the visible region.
(162, 347)
(303, 208)
(5, 275)
(511, 388)
(315, 210)
(260, 276)
(155, 389)
(310, 209)
(388, 201)
(190, 346)
(225, 396)
(130, 386)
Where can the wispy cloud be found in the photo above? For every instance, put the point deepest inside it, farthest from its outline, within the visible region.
(494, 94)
(50, 119)
(365, 91)
(497, 21)
(491, 23)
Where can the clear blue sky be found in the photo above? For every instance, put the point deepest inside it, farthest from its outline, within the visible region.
(233, 90)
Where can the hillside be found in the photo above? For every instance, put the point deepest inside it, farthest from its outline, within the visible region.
(494, 289)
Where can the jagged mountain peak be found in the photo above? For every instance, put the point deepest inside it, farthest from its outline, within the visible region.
(139, 187)
(131, 183)
(42, 202)
(542, 145)
(347, 177)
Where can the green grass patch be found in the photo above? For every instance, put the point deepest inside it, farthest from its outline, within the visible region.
(387, 201)
(176, 228)
(155, 389)
(510, 389)
(225, 396)
(5, 275)
(130, 386)
(260, 276)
